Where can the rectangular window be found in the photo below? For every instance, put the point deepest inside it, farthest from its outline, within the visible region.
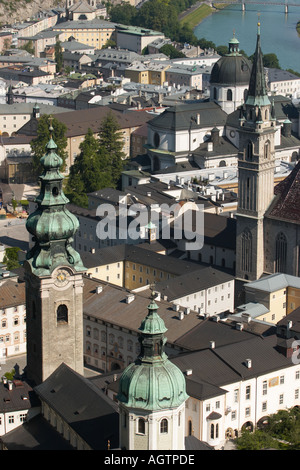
(248, 392)
(247, 411)
(264, 406)
(281, 399)
(265, 387)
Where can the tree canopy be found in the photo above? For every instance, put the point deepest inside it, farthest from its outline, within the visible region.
(99, 164)
(282, 431)
(38, 144)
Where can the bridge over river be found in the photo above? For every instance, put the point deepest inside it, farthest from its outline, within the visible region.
(243, 3)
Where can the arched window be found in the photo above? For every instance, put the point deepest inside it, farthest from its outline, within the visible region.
(246, 255)
(280, 253)
(267, 149)
(229, 95)
(214, 431)
(62, 314)
(249, 151)
(141, 426)
(190, 428)
(164, 426)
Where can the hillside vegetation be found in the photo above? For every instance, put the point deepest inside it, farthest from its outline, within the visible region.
(17, 11)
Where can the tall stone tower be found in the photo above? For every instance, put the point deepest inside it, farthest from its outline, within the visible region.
(53, 276)
(256, 163)
(152, 394)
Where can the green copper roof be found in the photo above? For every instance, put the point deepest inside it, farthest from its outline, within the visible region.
(51, 224)
(257, 93)
(152, 382)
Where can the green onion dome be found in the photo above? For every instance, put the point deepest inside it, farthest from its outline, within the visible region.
(152, 382)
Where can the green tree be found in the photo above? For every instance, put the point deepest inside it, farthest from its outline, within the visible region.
(171, 51)
(222, 50)
(28, 47)
(205, 44)
(257, 440)
(10, 258)
(271, 61)
(89, 171)
(111, 147)
(123, 13)
(58, 56)
(38, 145)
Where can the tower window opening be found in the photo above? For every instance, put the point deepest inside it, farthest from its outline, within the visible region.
(62, 314)
(141, 426)
(164, 426)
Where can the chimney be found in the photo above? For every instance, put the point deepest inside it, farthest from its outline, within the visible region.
(198, 119)
(286, 129)
(99, 289)
(248, 363)
(212, 344)
(187, 310)
(189, 372)
(246, 317)
(176, 307)
(10, 385)
(239, 326)
(181, 315)
(130, 298)
(215, 136)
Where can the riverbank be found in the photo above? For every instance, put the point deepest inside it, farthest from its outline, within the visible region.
(201, 10)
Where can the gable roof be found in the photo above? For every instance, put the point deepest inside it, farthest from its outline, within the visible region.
(83, 406)
(78, 122)
(180, 117)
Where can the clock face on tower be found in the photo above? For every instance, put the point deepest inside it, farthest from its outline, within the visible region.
(61, 277)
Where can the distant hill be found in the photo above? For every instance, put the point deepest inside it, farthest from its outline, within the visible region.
(16, 11)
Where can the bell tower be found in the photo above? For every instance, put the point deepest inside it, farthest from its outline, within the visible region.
(53, 277)
(152, 393)
(256, 163)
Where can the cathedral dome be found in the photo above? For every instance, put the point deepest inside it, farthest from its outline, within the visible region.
(152, 382)
(232, 69)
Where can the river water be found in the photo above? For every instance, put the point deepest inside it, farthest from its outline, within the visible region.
(278, 30)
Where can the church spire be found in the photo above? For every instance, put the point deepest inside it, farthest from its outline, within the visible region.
(51, 224)
(257, 94)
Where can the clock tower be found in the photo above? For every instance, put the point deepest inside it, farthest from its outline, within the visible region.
(256, 164)
(53, 276)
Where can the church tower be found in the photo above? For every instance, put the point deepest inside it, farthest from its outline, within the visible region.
(256, 163)
(152, 394)
(53, 277)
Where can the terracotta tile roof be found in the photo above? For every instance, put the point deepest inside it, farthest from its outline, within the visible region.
(12, 294)
(285, 205)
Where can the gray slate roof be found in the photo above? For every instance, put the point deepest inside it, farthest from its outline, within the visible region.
(83, 406)
(178, 117)
(195, 281)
